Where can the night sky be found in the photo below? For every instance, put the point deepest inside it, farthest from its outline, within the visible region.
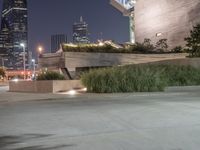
(47, 17)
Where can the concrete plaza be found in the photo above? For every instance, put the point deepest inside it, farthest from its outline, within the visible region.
(140, 121)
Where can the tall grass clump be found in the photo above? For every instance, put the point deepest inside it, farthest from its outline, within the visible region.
(123, 79)
(139, 78)
(181, 75)
(50, 75)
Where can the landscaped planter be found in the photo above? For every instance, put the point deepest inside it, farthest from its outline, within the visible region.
(51, 86)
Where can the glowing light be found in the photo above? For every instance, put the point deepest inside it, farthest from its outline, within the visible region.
(101, 44)
(71, 45)
(72, 92)
(158, 34)
(84, 89)
(15, 80)
(40, 49)
(22, 44)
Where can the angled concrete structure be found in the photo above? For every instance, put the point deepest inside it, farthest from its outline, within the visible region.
(72, 63)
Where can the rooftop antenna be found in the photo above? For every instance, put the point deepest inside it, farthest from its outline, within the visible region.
(81, 19)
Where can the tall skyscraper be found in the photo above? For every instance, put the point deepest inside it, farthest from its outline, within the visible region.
(56, 41)
(14, 26)
(80, 32)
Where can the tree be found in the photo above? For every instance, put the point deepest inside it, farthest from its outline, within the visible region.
(162, 45)
(147, 43)
(2, 72)
(193, 42)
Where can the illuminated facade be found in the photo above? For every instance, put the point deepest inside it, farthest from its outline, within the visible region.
(166, 19)
(161, 19)
(80, 32)
(13, 32)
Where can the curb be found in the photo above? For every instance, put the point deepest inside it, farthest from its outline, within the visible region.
(183, 89)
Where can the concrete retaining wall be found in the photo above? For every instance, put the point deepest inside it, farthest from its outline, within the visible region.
(44, 86)
(75, 60)
(194, 62)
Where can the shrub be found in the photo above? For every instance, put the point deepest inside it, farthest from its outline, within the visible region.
(177, 49)
(147, 43)
(87, 48)
(50, 75)
(145, 47)
(138, 48)
(139, 78)
(193, 42)
(162, 45)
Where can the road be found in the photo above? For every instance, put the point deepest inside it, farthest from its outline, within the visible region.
(156, 121)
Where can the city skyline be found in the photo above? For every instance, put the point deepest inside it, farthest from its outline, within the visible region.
(43, 21)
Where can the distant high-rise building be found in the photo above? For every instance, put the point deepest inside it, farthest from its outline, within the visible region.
(56, 41)
(14, 26)
(80, 32)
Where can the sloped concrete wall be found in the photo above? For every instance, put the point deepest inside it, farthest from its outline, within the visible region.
(173, 18)
(53, 61)
(75, 60)
(193, 62)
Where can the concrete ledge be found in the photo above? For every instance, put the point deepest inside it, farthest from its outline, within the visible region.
(73, 60)
(3, 83)
(183, 89)
(52, 86)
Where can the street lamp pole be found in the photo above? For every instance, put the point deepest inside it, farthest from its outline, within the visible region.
(40, 49)
(33, 60)
(2, 62)
(24, 59)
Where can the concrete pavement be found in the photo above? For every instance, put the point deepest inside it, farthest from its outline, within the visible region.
(144, 121)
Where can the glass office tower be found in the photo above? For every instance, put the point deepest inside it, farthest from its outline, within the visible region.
(80, 32)
(14, 31)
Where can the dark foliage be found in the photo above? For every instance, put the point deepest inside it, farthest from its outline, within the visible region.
(193, 42)
(50, 75)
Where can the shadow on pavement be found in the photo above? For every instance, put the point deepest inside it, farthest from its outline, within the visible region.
(10, 141)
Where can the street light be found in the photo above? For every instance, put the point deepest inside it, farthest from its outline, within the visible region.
(33, 61)
(40, 49)
(24, 59)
